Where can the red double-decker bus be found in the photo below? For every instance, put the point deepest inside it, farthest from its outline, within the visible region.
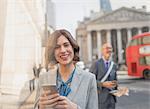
(138, 56)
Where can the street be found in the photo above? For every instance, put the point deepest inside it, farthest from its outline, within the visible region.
(139, 94)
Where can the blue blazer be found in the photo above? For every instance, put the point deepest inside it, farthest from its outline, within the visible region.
(84, 89)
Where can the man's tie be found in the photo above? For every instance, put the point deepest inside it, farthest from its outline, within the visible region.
(107, 66)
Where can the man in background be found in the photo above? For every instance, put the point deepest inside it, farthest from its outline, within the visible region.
(105, 72)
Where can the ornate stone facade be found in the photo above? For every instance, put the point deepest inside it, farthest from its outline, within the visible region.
(116, 27)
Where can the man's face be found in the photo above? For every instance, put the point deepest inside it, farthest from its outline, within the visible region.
(107, 50)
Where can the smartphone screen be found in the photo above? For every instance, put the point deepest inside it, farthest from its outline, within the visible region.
(52, 88)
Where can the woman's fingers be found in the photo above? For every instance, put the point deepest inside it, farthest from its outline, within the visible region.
(48, 100)
(52, 96)
(62, 98)
(49, 106)
(46, 97)
(62, 102)
(65, 103)
(61, 107)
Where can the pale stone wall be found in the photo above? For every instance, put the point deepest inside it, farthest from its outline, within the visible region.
(3, 10)
(22, 44)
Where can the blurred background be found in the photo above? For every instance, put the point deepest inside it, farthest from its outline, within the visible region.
(25, 26)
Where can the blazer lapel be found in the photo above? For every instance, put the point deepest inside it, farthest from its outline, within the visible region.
(75, 83)
(102, 67)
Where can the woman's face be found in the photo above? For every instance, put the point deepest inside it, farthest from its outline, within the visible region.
(64, 53)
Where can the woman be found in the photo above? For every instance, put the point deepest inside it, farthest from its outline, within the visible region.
(77, 88)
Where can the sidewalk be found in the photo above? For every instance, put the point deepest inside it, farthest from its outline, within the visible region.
(8, 101)
(124, 75)
(122, 72)
(12, 102)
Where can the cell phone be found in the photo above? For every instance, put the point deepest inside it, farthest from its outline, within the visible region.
(51, 88)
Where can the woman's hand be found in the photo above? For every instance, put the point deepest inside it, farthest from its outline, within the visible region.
(47, 99)
(65, 103)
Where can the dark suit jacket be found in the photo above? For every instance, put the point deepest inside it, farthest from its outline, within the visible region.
(98, 68)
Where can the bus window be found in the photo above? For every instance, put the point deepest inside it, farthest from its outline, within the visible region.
(146, 40)
(145, 60)
(133, 42)
(144, 50)
(143, 40)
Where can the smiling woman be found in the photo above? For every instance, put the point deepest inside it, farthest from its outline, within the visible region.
(76, 88)
(55, 42)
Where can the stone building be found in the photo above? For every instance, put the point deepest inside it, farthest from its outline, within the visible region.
(20, 42)
(116, 27)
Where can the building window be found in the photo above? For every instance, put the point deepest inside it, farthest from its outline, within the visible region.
(145, 29)
(134, 42)
(134, 31)
(145, 40)
(145, 60)
(142, 40)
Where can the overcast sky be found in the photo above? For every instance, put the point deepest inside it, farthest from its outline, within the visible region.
(68, 12)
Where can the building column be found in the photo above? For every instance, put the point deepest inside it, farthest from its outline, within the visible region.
(119, 42)
(139, 30)
(3, 13)
(129, 34)
(80, 44)
(109, 36)
(89, 43)
(99, 43)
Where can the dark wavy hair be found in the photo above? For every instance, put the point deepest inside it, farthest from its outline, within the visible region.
(51, 44)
